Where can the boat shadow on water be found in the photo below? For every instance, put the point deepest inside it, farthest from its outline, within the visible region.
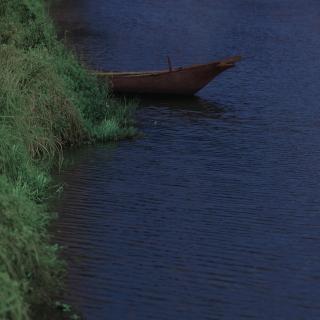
(188, 106)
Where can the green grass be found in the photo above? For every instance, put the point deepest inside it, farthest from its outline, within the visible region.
(48, 101)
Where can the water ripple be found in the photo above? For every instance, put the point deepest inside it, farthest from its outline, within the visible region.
(214, 214)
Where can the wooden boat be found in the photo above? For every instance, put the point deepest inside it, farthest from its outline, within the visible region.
(182, 81)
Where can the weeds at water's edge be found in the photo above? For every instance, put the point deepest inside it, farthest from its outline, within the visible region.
(47, 102)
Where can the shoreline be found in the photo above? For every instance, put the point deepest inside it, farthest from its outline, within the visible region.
(48, 102)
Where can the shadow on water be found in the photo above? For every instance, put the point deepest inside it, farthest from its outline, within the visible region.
(189, 106)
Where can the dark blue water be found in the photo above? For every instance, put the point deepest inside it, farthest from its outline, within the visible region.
(215, 212)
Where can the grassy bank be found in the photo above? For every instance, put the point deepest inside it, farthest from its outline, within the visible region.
(47, 102)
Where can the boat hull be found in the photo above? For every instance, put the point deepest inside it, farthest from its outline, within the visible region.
(181, 81)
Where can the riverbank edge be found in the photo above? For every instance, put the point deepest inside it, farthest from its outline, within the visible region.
(48, 102)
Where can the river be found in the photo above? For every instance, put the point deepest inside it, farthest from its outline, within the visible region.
(215, 212)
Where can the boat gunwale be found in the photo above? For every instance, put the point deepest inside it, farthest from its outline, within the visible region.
(225, 63)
